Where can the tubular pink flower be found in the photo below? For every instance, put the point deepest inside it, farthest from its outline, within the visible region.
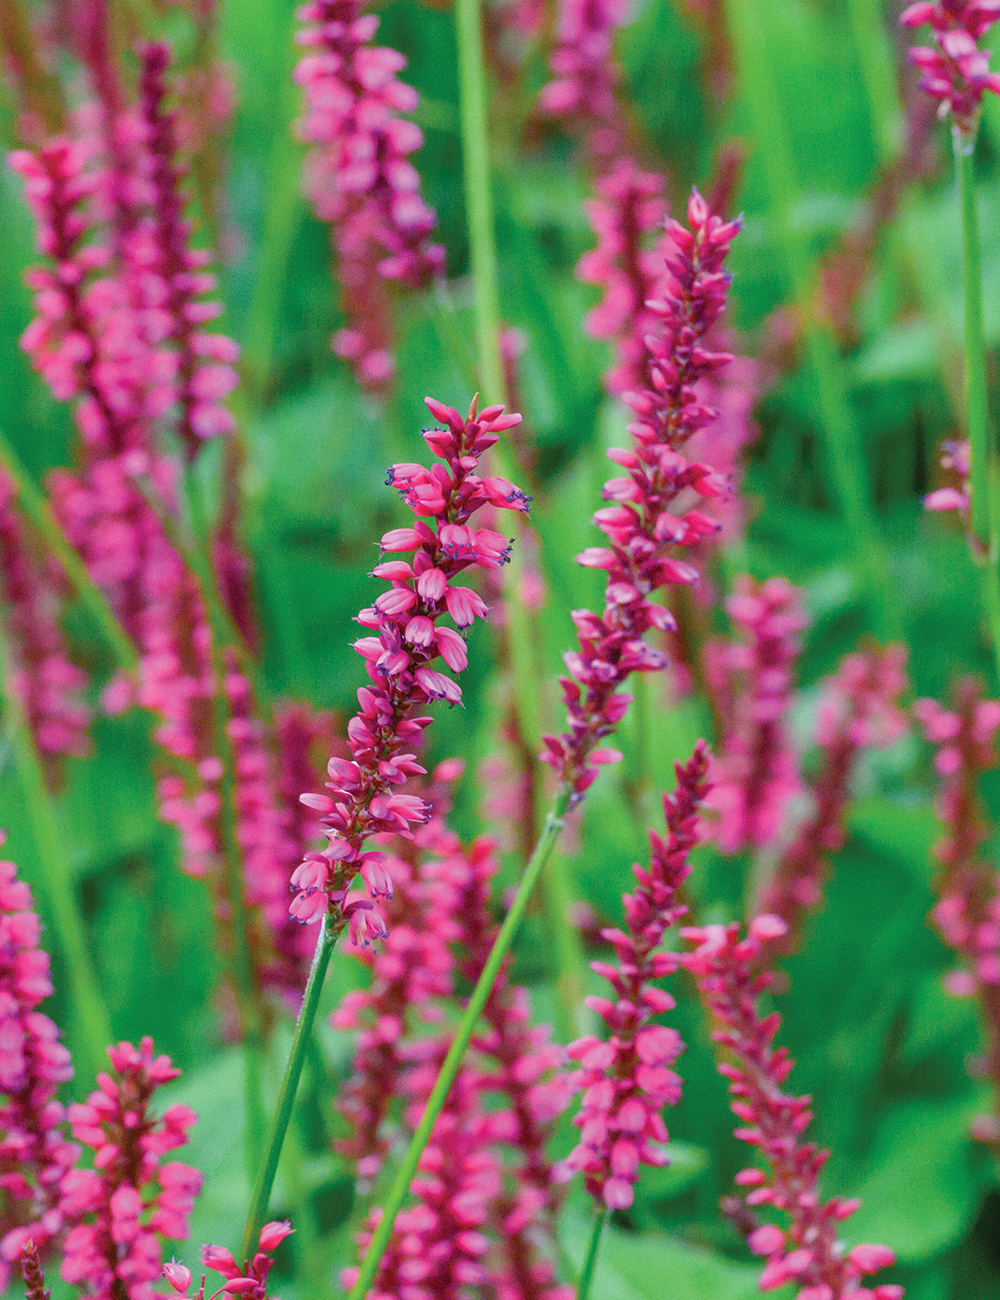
(128, 1201)
(34, 1153)
(809, 1252)
(385, 731)
(647, 520)
(967, 913)
(627, 1080)
(859, 711)
(955, 72)
(756, 772)
(46, 680)
(359, 178)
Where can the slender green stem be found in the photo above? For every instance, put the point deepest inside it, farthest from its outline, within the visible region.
(34, 505)
(590, 1263)
(478, 193)
(289, 1086)
(983, 521)
(755, 44)
(397, 1194)
(88, 1005)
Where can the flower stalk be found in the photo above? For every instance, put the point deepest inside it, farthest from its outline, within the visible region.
(590, 1261)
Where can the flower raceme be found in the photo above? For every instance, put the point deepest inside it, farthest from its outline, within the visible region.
(808, 1253)
(955, 72)
(652, 503)
(362, 799)
(627, 1078)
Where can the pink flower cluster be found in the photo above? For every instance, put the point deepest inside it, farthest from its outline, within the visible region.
(34, 1153)
(128, 1200)
(585, 73)
(808, 1253)
(249, 1281)
(756, 772)
(44, 677)
(968, 909)
(629, 205)
(359, 176)
(362, 801)
(173, 274)
(627, 1078)
(955, 72)
(649, 514)
(858, 711)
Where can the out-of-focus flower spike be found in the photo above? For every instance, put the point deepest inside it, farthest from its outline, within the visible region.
(34, 1153)
(388, 728)
(359, 177)
(809, 1252)
(46, 680)
(859, 711)
(967, 913)
(174, 276)
(583, 91)
(756, 772)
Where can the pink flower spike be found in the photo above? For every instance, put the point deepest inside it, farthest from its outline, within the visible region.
(628, 1074)
(407, 639)
(639, 558)
(955, 72)
(724, 967)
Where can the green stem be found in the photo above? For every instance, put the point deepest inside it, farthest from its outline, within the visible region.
(478, 194)
(983, 521)
(289, 1086)
(88, 1005)
(34, 505)
(546, 843)
(590, 1263)
(754, 42)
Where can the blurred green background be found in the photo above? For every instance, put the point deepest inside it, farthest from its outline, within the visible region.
(818, 94)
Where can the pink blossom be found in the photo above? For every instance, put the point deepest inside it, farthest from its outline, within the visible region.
(586, 74)
(129, 1201)
(756, 772)
(809, 1252)
(47, 682)
(34, 1152)
(359, 177)
(955, 72)
(646, 521)
(385, 732)
(858, 711)
(627, 1080)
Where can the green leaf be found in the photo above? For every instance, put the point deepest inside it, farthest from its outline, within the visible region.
(657, 1267)
(925, 1176)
